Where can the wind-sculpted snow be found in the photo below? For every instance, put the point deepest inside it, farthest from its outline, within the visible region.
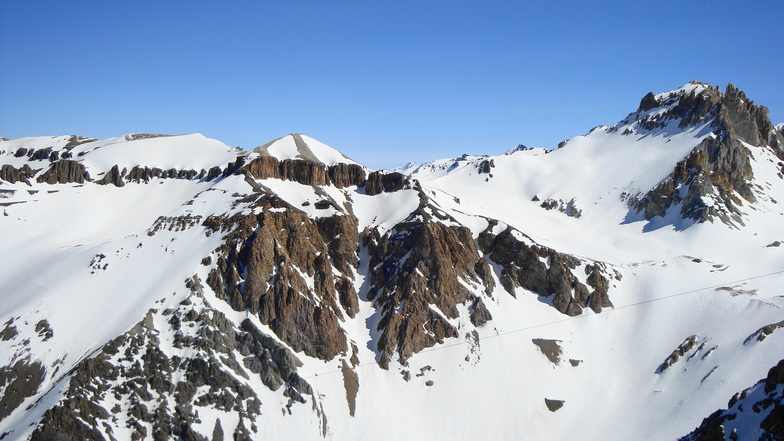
(172, 287)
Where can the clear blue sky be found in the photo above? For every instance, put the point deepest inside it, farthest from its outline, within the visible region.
(384, 82)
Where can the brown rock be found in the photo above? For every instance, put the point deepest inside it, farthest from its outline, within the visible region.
(479, 313)
(416, 265)
(304, 172)
(524, 266)
(341, 236)
(19, 381)
(348, 297)
(65, 171)
(264, 167)
(113, 176)
(346, 175)
(275, 249)
(553, 405)
(11, 174)
(380, 182)
(721, 164)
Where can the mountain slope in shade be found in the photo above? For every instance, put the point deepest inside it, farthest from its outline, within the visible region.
(755, 413)
(162, 287)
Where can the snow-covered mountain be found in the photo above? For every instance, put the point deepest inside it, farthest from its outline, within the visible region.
(171, 287)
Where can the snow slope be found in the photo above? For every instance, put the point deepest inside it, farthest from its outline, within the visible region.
(95, 261)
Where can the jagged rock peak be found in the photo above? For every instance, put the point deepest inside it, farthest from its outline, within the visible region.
(298, 146)
(731, 113)
(717, 176)
(518, 148)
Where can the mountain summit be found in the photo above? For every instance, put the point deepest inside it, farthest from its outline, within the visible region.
(172, 287)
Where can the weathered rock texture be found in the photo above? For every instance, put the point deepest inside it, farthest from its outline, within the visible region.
(418, 273)
(278, 265)
(65, 171)
(11, 174)
(715, 179)
(140, 174)
(544, 271)
(19, 381)
(113, 176)
(158, 395)
(380, 182)
(306, 172)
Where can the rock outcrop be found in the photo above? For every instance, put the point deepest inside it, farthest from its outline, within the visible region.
(134, 383)
(113, 176)
(380, 182)
(19, 381)
(544, 271)
(276, 264)
(688, 344)
(715, 179)
(139, 174)
(65, 171)
(417, 276)
(11, 174)
(306, 172)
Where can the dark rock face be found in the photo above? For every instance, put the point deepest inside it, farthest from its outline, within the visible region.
(135, 373)
(479, 313)
(44, 330)
(65, 171)
(40, 154)
(276, 250)
(550, 348)
(11, 174)
(346, 175)
(648, 102)
(414, 266)
(379, 182)
(545, 272)
(679, 352)
(740, 117)
(19, 381)
(553, 405)
(486, 166)
(741, 419)
(77, 140)
(687, 109)
(763, 332)
(113, 176)
(720, 166)
(306, 172)
(264, 167)
(140, 174)
(351, 384)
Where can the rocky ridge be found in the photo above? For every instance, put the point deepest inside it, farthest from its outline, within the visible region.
(296, 272)
(716, 178)
(174, 365)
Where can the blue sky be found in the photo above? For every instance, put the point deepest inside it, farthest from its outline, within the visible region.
(384, 82)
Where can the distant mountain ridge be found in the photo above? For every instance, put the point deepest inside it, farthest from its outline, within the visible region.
(172, 287)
